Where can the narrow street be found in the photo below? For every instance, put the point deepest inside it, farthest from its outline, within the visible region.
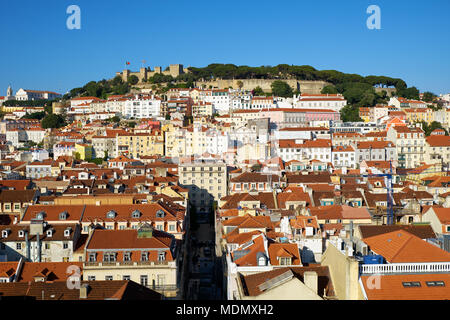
(204, 277)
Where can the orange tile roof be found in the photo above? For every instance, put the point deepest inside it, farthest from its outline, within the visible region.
(391, 287)
(401, 246)
(288, 250)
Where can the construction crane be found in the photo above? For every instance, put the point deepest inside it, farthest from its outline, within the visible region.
(390, 191)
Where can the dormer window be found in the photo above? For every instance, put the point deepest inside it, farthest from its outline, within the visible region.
(161, 256)
(5, 233)
(136, 214)
(40, 215)
(144, 256)
(67, 232)
(49, 233)
(109, 257)
(21, 233)
(160, 214)
(127, 256)
(92, 257)
(111, 214)
(63, 215)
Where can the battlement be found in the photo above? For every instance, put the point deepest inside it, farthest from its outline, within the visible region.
(145, 73)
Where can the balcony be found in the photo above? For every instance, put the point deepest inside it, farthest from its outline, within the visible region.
(432, 267)
(130, 264)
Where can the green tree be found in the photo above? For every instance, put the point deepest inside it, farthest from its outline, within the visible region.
(428, 96)
(53, 121)
(428, 129)
(350, 113)
(133, 80)
(115, 119)
(258, 91)
(329, 90)
(35, 115)
(281, 89)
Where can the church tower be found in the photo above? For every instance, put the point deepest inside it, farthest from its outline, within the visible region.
(9, 92)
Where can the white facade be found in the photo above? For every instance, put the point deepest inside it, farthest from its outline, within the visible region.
(344, 157)
(142, 107)
(24, 95)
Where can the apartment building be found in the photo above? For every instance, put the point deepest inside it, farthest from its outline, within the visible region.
(140, 144)
(206, 181)
(146, 256)
(410, 143)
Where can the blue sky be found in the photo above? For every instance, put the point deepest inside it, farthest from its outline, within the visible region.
(37, 50)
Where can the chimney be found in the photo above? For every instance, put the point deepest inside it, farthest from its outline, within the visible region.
(311, 280)
(84, 291)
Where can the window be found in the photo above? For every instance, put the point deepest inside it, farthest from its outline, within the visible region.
(92, 257)
(160, 214)
(109, 257)
(411, 284)
(47, 245)
(172, 227)
(18, 246)
(65, 245)
(127, 256)
(136, 214)
(285, 261)
(111, 214)
(161, 256)
(144, 256)
(91, 278)
(63, 215)
(126, 277)
(435, 283)
(144, 280)
(108, 278)
(2, 246)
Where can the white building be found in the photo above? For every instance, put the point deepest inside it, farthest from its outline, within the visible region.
(333, 102)
(142, 107)
(63, 148)
(24, 95)
(319, 149)
(220, 99)
(344, 156)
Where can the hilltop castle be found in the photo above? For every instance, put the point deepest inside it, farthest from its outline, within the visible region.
(145, 73)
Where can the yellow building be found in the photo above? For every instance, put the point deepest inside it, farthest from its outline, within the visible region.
(84, 151)
(206, 182)
(419, 114)
(344, 271)
(364, 114)
(202, 109)
(140, 144)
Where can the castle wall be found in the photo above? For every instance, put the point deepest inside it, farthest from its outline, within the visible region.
(311, 87)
